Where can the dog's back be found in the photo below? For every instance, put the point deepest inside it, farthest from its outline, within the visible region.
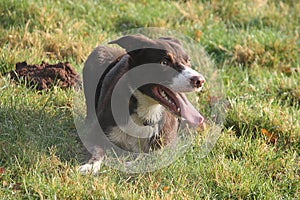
(94, 67)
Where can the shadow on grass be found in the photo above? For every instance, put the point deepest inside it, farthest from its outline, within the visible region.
(27, 133)
(261, 128)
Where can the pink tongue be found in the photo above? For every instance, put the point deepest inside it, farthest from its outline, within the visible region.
(189, 112)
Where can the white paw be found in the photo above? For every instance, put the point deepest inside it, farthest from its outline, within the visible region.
(90, 168)
(85, 169)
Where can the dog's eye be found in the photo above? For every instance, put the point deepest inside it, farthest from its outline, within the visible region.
(164, 62)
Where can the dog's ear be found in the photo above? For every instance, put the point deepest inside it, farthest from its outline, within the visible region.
(170, 39)
(133, 42)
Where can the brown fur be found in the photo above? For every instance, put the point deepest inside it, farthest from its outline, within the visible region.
(145, 111)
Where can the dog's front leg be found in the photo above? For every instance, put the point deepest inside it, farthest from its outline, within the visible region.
(94, 164)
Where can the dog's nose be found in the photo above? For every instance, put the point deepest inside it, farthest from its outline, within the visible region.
(197, 81)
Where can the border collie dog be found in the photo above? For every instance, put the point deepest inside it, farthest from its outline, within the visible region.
(157, 108)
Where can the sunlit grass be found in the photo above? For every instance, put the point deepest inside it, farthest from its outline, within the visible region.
(254, 44)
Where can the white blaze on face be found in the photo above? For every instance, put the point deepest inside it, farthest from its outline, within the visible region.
(182, 82)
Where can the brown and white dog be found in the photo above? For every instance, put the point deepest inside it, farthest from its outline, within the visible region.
(157, 108)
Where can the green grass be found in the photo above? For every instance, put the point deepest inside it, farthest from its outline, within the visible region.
(254, 44)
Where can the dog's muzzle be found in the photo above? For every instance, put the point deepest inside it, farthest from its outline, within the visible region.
(197, 81)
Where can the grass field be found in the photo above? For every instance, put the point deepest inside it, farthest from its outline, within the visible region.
(254, 44)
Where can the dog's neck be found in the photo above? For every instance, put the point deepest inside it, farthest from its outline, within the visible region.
(148, 110)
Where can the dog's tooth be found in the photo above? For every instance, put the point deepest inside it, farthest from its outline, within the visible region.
(178, 109)
(163, 94)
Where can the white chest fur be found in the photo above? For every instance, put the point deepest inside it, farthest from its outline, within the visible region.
(137, 139)
(148, 109)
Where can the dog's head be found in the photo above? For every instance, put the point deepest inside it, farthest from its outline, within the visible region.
(176, 72)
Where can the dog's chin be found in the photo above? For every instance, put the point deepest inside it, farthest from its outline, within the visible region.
(178, 104)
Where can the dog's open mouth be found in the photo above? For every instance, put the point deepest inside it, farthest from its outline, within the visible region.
(178, 104)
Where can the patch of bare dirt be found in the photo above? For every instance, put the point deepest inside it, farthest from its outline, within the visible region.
(45, 76)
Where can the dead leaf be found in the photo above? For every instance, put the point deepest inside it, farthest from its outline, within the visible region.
(165, 188)
(2, 170)
(271, 137)
(198, 35)
(289, 70)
